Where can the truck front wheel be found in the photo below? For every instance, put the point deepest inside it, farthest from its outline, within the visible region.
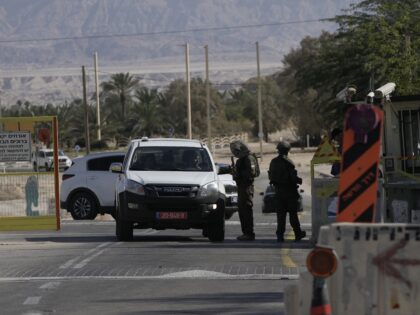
(216, 231)
(123, 229)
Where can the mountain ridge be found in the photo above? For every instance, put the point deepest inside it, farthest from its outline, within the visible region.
(171, 22)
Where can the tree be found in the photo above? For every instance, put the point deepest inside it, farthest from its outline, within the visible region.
(388, 31)
(377, 42)
(275, 112)
(175, 108)
(302, 99)
(122, 86)
(147, 114)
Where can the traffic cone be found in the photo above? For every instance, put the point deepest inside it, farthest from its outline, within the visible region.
(320, 304)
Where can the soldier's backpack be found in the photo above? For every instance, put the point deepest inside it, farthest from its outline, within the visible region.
(254, 165)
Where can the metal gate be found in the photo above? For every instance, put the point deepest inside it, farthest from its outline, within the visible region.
(29, 197)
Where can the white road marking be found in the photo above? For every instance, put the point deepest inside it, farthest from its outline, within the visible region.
(50, 285)
(90, 251)
(68, 263)
(200, 275)
(85, 261)
(32, 300)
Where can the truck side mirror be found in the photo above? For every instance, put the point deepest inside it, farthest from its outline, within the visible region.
(116, 167)
(223, 169)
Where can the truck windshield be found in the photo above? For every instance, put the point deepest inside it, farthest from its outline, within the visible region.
(51, 153)
(171, 159)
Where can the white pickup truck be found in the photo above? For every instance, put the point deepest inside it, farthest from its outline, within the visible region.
(170, 184)
(44, 159)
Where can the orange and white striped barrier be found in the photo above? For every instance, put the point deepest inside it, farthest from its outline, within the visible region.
(358, 186)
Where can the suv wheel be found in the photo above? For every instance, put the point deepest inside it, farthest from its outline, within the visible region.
(216, 230)
(83, 206)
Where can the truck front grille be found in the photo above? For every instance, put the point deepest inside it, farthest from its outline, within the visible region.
(230, 189)
(172, 190)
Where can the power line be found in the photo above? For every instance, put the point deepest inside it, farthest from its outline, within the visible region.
(221, 28)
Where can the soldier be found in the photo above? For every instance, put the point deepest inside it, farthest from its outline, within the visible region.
(283, 176)
(243, 174)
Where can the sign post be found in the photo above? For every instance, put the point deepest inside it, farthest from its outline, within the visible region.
(15, 146)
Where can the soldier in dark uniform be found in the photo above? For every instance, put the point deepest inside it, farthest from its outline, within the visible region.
(243, 176)
(283, 176)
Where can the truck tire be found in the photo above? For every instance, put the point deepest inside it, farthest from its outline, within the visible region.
(216, 230)
(123, 230)
(82, 206)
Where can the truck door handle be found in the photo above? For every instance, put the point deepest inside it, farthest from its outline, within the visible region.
(92, 177)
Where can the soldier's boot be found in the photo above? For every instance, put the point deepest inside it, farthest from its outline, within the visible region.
(299, 235)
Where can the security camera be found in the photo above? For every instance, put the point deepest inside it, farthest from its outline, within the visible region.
(346, 93)
(385, 90)
(370, 97)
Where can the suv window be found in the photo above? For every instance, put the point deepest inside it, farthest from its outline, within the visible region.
(103, 163)
(171, 159)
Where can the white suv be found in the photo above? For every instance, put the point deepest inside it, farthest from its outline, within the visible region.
(88, 186)
(44, 158)
(169, 183)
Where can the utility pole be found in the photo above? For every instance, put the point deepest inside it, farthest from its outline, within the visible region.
(87, 142)
(98, 111)
(1, 115)
(187, 66)
(260, 126)
(206, 48)
(0, 109)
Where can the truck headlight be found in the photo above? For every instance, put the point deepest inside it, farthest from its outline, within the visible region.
(208, 190)
(134, 187)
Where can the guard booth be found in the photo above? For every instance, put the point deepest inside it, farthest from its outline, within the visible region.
(29, 198)
(401, 160)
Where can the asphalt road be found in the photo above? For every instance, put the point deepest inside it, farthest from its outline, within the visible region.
(83, 270)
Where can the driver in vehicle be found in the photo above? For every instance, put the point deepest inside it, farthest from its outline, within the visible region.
(191, 160)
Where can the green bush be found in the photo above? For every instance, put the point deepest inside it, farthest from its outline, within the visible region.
(99, 144)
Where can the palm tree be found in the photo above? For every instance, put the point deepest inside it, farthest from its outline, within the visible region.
(121, 85)
(147, 112)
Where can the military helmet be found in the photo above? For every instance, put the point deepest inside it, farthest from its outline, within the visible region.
(239, 149)
(283, 147)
